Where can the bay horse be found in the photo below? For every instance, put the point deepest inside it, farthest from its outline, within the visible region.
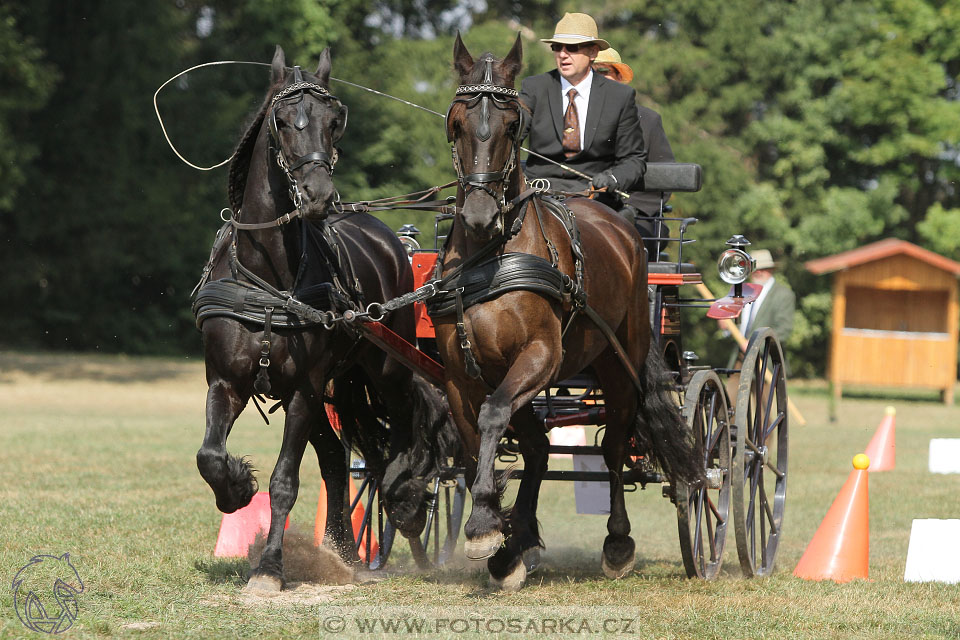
(560, 290)
(285, 247)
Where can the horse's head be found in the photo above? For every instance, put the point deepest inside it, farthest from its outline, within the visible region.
(306, 121)
(484, 123)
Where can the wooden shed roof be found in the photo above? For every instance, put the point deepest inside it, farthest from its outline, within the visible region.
(878, 251)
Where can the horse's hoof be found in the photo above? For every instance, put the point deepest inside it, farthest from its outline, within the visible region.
(531, 559)
(614, 573)
(513, 581)
(484, 546)
(263, 584)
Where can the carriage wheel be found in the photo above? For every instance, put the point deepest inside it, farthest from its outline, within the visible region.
(437, 543)
(760, 454)
(703, 509)
(374, 540)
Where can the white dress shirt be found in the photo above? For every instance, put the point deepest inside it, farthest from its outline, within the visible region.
(750, 312)
(582, 100)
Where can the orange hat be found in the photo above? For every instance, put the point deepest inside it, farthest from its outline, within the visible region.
(610, 58)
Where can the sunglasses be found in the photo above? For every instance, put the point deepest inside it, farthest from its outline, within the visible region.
(603, 70)
(556, 47)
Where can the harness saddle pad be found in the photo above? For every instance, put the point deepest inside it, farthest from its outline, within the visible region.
(241, 301)
(496, 276)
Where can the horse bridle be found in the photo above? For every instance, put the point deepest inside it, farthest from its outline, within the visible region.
(294, 93)
(482, 94)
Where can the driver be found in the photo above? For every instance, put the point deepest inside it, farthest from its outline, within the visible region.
(582, 119)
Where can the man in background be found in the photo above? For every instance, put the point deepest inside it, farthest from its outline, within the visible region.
(773, 308)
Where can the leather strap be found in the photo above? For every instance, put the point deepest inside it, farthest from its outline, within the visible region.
(262, 384)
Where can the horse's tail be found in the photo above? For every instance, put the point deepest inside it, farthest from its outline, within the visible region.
(431, 441)
(660, 430)
(433, 437)
(363, 420)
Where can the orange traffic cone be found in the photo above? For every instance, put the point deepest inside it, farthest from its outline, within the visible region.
(840, 549)
(239, 529)
(882, 449)
(356, 518)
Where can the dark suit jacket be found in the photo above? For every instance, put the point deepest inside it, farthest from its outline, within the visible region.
(612, 138)
(658, 150)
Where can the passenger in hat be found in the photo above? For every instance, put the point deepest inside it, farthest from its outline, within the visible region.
(641, 208)
(582, 119)
(773, 308)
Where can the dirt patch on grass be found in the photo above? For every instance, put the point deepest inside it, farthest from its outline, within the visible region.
(303, 593)
(303, 561)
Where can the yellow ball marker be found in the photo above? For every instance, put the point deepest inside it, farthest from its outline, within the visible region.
(861, 461)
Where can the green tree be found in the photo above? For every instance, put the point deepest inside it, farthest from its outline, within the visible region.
(27, 81)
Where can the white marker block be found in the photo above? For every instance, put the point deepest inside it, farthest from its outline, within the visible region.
(945, 455)
(567, 437)
(933, 554)
(593, 497)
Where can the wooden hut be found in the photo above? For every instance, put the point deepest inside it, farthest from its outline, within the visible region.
(895, 315)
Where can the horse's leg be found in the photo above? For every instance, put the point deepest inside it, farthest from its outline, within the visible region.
(524, 536)
(333, 467)
(528, 374)
(302, 412)
(465, 406)
(230, 477)
(619, 550)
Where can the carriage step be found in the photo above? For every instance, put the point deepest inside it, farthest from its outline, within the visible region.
(630, 476)
(591, 416)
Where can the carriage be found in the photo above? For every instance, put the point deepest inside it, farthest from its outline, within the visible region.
(295, 303)
(743, 429)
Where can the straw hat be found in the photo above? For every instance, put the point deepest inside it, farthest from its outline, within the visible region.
(577, 28)
(763, 258)
(610, 58)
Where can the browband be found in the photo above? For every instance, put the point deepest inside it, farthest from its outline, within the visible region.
(300, 86)
(487, 88)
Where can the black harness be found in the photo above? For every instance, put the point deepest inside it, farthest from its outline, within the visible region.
(487, 275)
(484, 95)
(325, 284)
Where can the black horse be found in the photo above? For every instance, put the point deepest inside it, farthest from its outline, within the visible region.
(287, 247)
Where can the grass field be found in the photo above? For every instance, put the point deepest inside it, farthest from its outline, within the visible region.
(98, 461)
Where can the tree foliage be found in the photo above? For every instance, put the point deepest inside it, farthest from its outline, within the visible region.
(820, 127)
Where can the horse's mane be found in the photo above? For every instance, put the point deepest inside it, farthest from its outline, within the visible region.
(240, 165)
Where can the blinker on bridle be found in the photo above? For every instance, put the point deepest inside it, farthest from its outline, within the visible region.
(294, 93)
(483, 94)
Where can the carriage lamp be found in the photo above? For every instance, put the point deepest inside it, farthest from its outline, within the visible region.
(408, 234)
(735, 266)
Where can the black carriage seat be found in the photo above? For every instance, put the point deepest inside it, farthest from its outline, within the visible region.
(672, 176)
(665, 177)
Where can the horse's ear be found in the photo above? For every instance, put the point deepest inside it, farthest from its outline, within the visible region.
(512, 64)
(278, 68)
(323, 67)
(462, 60)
